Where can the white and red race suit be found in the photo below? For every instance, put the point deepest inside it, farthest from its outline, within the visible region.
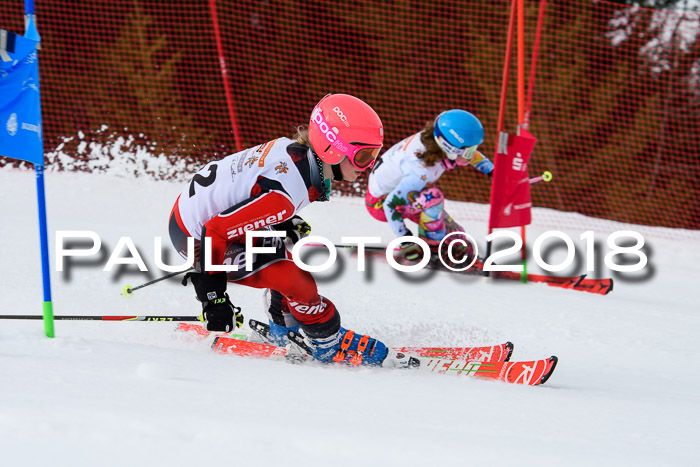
(255, 189)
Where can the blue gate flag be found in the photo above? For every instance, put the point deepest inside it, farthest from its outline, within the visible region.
(20, 104)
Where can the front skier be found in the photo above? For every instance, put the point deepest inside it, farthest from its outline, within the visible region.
(401, 183)
(263, 188)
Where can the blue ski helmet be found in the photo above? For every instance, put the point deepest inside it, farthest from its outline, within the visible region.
(458, 133)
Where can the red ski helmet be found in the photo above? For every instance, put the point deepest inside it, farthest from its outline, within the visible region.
(342, 126)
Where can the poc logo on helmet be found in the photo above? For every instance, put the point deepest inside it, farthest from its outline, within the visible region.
(341, 115)
(454, 133)
(340, 147)
(323, 126)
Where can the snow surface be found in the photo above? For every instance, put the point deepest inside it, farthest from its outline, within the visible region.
(625, 392)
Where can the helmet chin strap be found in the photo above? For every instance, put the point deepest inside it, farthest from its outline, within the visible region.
(337, 173)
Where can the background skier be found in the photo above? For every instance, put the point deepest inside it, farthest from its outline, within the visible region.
(401, 185)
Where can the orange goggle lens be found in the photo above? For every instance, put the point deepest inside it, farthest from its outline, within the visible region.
(365, 157)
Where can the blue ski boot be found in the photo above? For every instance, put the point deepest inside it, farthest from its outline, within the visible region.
(277, 312)
(278, 334)
(348, 347)
(271, 334)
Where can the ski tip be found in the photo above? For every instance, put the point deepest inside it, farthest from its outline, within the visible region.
(509, 348)
(610, 288)
(553, 361)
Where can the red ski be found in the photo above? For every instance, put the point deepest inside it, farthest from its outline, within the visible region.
(494, 353)
(599, 286)
(233, 343)
(529, 373)
(198, 332)
(581, 282)
(228, 345)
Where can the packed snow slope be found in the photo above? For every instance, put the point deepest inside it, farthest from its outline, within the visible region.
(626, 390)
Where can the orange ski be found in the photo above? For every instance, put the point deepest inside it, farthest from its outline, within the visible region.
(199, 332)
(529, 373)
(230, 343)
(580, 283)
(598, 286)
(494, 353)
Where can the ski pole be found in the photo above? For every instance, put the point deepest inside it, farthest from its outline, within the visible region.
(127, 290)
(546, 176)
(107, 318)
(350, 247)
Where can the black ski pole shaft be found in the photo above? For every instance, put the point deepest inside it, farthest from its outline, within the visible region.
(127, 290)
(350, 247)
(106, 318)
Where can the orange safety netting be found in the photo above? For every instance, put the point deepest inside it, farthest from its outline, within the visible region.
(616, 106)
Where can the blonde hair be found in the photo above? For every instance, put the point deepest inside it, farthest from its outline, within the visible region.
(433, 153)
(302, 135)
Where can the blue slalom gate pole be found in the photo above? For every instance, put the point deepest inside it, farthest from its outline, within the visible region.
(32, 33)
(44, 240)
(22, 137)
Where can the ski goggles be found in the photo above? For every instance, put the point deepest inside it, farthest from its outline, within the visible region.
(453, 152)
(362, 156)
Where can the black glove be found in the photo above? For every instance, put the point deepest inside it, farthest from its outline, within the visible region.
(296, 228)
(222, 315)
(217, 310)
